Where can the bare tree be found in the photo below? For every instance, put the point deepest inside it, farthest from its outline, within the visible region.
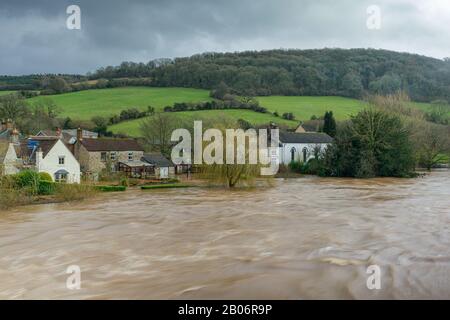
(432, 144)
(12, 107)
(157, 130)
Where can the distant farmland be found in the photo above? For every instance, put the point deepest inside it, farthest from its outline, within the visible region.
(305, 107)
(132, 127)
(84, 105)
(4, 93)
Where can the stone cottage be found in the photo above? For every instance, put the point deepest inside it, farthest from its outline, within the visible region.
(96, 155)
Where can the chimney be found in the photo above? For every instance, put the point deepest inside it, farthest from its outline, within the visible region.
(3, 127)
(9, 124)
(59, 133)
(15, 136)
(79, 134)
(39, 158)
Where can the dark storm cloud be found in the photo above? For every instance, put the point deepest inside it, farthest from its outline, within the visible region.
(35, 38)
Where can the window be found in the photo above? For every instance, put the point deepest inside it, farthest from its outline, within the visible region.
(293, 154)
(305, 154)
(61, 176)
(103, 156)
(112, 156)
(61, 160)
(130, 156)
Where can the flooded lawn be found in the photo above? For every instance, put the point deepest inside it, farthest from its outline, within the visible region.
(303, 238)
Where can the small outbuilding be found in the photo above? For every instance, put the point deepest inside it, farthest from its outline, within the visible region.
(164, 168)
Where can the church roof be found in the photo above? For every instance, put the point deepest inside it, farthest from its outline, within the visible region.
(304, 137)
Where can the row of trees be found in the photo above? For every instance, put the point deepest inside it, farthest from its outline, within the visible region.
(351, 73)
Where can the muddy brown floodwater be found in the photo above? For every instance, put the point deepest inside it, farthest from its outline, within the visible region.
(303, 238)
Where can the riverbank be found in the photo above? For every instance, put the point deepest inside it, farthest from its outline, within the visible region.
(68, 193)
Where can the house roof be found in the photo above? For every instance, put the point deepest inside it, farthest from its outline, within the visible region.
(44, 143)
(304, 137)
(96, 145)
(136, 164)
(312, 125)
(85, 133)
(4, 134)
(50, 133)
(157, 159)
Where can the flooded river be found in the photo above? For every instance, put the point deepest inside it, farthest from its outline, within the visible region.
(300, 239)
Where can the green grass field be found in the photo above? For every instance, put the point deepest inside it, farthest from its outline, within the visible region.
(132, 127)
(304, 107)
(83, 105)
(4, 93)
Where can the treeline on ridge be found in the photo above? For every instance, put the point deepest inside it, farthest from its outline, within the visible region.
(351, 73)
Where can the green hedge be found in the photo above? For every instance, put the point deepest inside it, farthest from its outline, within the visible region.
(111, 188)
(167, 185)
(46, 187)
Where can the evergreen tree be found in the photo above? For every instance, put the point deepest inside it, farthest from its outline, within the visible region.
(329, 126)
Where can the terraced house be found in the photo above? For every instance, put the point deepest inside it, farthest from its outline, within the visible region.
(96, 155)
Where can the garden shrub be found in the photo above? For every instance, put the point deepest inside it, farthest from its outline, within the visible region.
(44, 176)
(27, 180)
(46, 187)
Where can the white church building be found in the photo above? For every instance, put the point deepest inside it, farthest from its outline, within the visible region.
(301, 147)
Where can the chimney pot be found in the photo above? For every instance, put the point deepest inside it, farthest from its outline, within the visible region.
(9, 124)
(79, 134)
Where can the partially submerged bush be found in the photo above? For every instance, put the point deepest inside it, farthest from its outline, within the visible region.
(111, 188)
(71, 192)
(166, 186)
(10, 198)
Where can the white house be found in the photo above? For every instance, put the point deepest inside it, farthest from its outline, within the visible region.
(8, 159)
(51, 155)
(302, 147)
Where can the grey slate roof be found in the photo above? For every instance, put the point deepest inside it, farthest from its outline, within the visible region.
(157, 159)
(305, 137)
(104, 144)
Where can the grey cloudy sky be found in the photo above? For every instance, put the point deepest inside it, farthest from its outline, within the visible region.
(34, 37)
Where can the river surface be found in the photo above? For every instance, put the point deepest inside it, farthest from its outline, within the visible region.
(300, 239)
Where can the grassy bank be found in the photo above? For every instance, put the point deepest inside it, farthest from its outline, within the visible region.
(28, 187)
(6, 92)
(305, 107)
(167, 186)
(132, 127)
(84, 105)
